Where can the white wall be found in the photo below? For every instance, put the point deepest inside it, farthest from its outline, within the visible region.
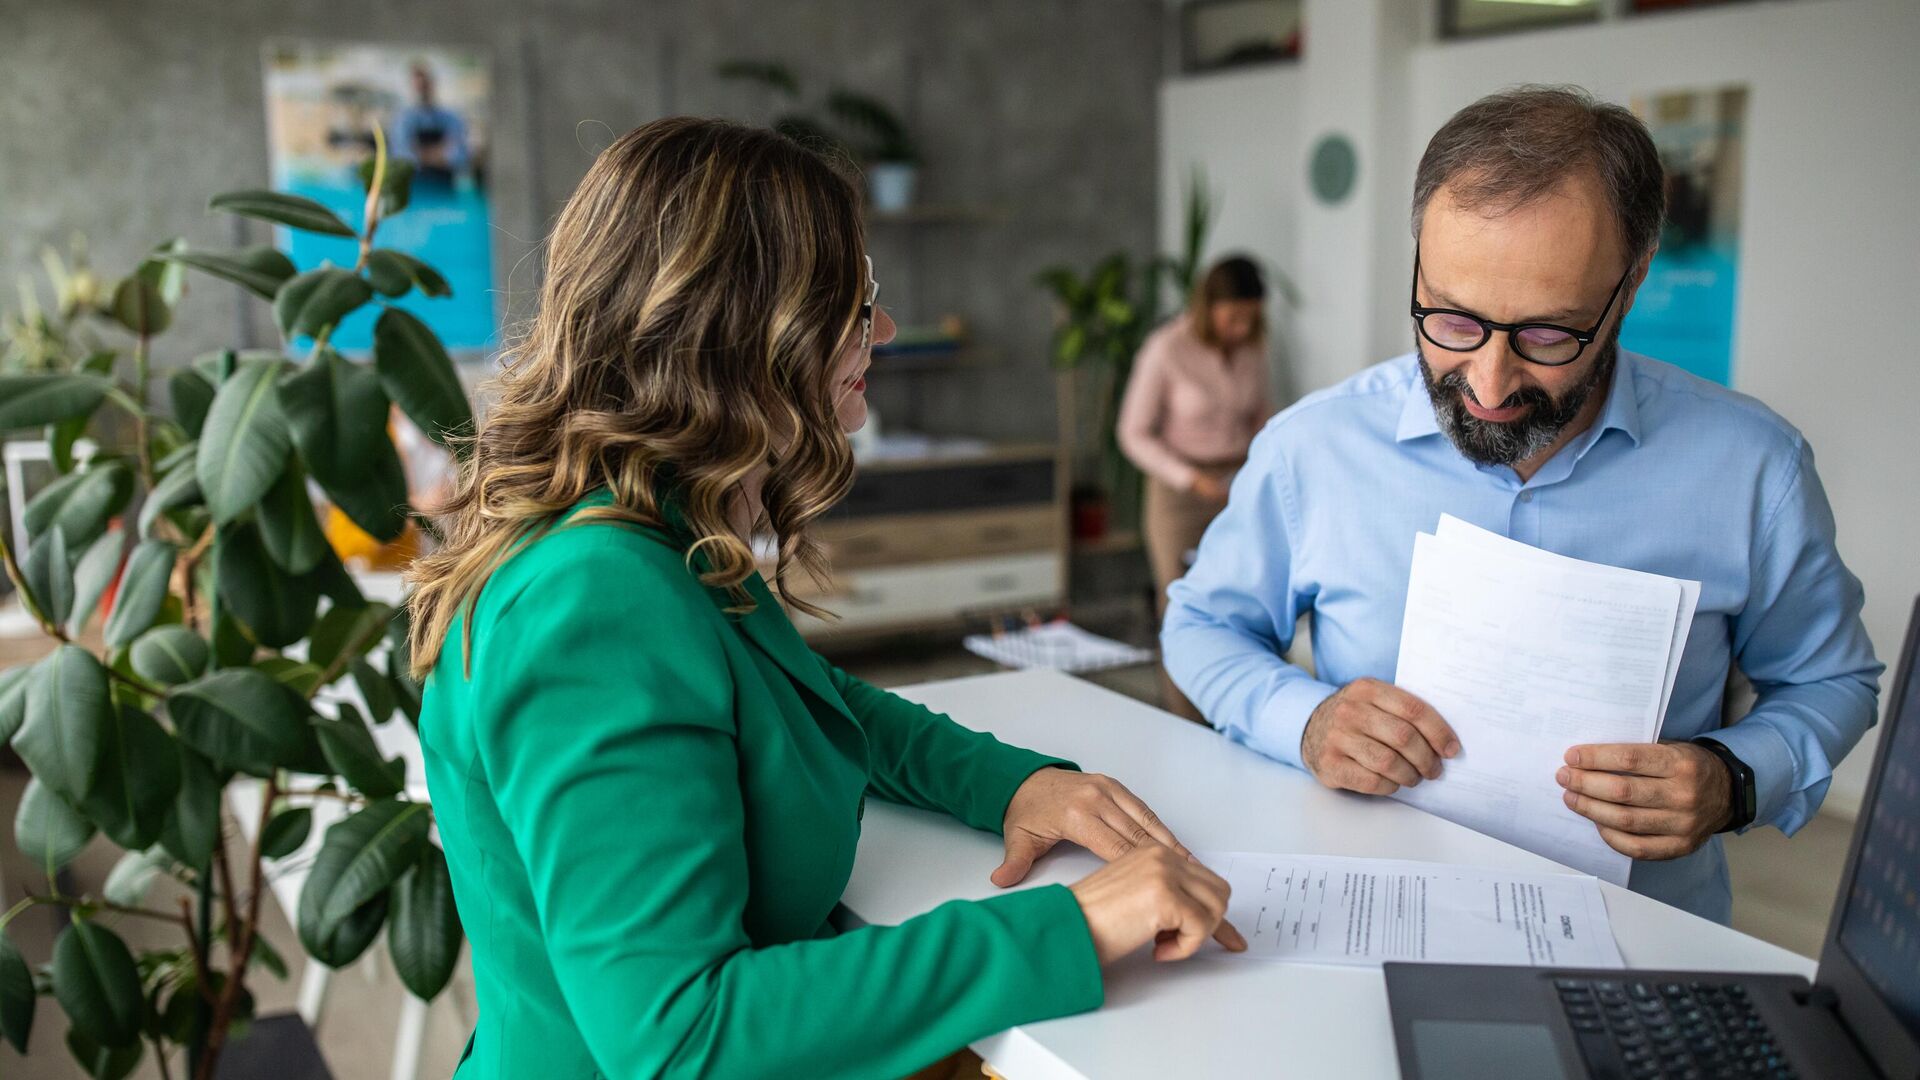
(1830, 235)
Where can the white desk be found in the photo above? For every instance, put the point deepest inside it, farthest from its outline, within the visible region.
(1211, 1017)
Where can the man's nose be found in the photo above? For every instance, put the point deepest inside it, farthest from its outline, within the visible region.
(1494, 371)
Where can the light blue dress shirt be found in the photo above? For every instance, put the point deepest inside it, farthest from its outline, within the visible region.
(1677, 476)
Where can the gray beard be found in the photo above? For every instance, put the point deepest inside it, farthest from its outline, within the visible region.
(1485, 442)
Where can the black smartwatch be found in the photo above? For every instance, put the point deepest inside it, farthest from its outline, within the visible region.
(1742, 776)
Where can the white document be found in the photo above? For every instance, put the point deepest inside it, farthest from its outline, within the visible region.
(1525, 657)
(1059, 645)
(1326, 909)
(1453, 528)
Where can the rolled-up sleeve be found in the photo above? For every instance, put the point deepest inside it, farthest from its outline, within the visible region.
(1802, 644)
(1230, 619)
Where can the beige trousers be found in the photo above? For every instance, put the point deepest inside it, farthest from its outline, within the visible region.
(1173, 522)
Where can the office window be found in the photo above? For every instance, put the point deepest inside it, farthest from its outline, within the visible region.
(1216, 34)
(1460, 18)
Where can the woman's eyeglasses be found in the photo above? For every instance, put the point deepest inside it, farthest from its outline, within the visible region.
(1536, 342)
(866, 309)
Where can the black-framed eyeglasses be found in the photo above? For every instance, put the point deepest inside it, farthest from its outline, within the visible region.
(1541, 343)
(866, 309)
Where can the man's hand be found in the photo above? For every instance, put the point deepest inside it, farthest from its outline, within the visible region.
(1375, 738)
(1650, 800)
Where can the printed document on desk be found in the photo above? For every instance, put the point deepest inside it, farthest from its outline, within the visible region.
(1524, 657)
(1329, 909)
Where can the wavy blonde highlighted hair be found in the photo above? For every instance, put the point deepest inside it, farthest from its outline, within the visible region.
(700, 284)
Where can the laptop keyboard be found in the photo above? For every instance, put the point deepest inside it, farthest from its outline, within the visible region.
(1693, 1030)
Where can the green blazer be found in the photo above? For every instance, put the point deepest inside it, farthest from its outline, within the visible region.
(650, 808)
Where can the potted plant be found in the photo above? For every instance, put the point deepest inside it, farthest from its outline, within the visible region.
(231, 616)
(868, 131)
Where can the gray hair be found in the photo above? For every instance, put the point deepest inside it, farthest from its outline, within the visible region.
(1515, 146)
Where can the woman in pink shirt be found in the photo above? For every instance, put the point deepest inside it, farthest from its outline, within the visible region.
(1197, 396)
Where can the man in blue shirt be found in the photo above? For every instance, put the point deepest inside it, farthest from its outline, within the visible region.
(1536, 212)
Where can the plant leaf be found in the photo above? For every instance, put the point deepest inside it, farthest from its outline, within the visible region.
(142, 588)
(311, 302)
(92, 575)
(135, 779)
(395, 185)
(179, 488)
(347, 631)
(286, 832)
(416, 372)
(17, 998)
(68, 713)
(424, 934)
(138, 306)
(169, 655)
(192, 395)
(289, 210)
(296, 675)
(287, 523)
(104, 1062)
(80, 504)
(375, 690)
(97, 984)
(48, 573)
(276, 606)
(13, 700)
(350, 749)
(360, 858)
(132, 877)
(245, 443)
(48, 829)
(338, 415)
(28, 401)
(242, 719)
(193, 827)
(260, 269)
(394, 272)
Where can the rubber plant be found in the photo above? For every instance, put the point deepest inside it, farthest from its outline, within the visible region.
(230, 620)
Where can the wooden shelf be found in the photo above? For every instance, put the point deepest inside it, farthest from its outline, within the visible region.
(1116, 541)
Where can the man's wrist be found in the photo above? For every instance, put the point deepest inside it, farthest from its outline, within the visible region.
(1740, 784)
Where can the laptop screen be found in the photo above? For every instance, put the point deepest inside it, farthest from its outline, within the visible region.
(1880, 925)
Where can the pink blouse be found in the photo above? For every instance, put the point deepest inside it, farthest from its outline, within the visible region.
(1186, 403)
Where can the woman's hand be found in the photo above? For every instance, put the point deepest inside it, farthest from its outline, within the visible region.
(1155, 894)
(1209, 487)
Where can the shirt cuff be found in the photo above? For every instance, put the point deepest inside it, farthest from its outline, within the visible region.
(1283, 719)
(1766, 752)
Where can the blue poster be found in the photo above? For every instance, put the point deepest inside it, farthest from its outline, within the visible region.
(323, 102)
(1685, 309)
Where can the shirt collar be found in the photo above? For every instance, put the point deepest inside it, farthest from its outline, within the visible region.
(1621, 411)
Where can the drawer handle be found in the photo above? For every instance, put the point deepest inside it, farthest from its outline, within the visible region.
(999, 582)
(995, 534)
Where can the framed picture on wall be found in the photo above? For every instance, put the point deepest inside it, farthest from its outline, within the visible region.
(1218, 34)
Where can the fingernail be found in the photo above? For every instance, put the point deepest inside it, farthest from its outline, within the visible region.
(1569, 798)
(1453, 747)
(1563, 776)
(1573, 756)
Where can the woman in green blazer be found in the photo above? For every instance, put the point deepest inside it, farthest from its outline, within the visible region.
(648, 787)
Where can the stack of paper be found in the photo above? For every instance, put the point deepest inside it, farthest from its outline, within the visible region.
(1059, 645)
(1526, 653)
(1326, 909)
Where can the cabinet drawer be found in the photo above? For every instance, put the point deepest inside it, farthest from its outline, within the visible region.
(927, 591)
(919, 538)
(880, 492)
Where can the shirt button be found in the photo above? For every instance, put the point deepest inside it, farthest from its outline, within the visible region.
(1526, 496)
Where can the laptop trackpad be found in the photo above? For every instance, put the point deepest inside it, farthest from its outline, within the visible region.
(1476, 1049)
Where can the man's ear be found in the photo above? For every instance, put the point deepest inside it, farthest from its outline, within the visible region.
(1636, 279)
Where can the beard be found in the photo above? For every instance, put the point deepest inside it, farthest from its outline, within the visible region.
(1486, 442)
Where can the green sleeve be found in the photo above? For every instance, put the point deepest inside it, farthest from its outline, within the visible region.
(922, 758)
(609, 746)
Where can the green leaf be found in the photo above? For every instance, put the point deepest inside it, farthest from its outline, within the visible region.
(13, 700)
(266, 956)
(375, 690)
(318, 299)
(287, 523)
(296, 675)
(395, 186)
(260, 269)
(142, 588)
(406, 692)
(276, 606)
(169, 655)
(61, 438)
(132, 877)
(104, 1062)
(29, 401)
(338, 414)
(138, 306)
(360, 858)
(92, 576)
(81, 503)
(68, 714)
(135, 779)
(242, 719)
(348, 631)
(97, 983)
(394, 272)
(416, 372)
(48, 829)
(169, 279)
(346, 939)
(181, 454)
(424, 935)
(350, 749)
(286, 832)
(48, 573)
(176, 489)
(244, 446)
(193, 827)
(231, 645)
(192, 395)
(17, 997)
(289, 210)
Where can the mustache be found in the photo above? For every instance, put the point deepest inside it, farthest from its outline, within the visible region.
(1456, 382)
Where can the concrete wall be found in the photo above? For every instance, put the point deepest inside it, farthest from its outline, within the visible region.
(1828, 234)
(119, 119)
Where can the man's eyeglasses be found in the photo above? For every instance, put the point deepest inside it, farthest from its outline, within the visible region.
(866, 309)
(1537, 342)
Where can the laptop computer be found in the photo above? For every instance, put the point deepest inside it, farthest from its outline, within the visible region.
(1860, 1017)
